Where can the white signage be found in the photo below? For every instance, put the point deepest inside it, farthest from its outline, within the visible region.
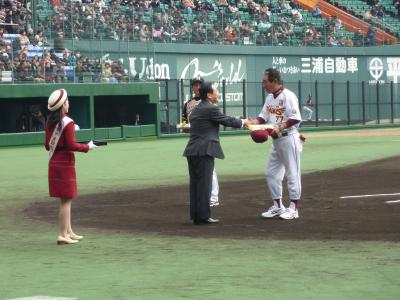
(329, 65)
(377, 66)
(230, 69)
(233, 74)
(148, 69)
(279, 62)
(393, 71)
(317, 65)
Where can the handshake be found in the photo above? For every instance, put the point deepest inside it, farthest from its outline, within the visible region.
(247, 123)
(260, 132)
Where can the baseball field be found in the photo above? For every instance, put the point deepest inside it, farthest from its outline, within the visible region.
(140, 244)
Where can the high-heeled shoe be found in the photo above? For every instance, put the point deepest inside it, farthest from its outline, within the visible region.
(65, 241)
(75, 237)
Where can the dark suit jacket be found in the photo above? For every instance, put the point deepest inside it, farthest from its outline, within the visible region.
(204, 130)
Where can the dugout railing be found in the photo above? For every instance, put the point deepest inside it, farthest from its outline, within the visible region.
(333, 103)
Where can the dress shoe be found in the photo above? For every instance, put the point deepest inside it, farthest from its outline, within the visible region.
(205, 222)
(75, 237)
(65, 241)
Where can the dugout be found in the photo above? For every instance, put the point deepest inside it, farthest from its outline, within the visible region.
(117, 110)
(18, 114)
(103, 111)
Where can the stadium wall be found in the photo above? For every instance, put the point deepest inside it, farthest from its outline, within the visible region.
(177, 61)
(361, 84)
(336, 75)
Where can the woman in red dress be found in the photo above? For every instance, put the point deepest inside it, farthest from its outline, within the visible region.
(61, 144)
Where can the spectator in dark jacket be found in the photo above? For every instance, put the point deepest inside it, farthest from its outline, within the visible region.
(371, 36)
(59, 42)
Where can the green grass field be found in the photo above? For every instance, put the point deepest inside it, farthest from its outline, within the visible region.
(121, 266)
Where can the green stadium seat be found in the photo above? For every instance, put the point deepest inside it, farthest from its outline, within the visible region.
(298, 29)
(212, 16)
(163, 7)
(359, 7)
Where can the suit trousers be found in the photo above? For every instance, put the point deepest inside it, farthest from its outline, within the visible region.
(201, 173)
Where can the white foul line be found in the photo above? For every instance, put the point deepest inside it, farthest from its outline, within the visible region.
(392, 201)
(365, 196)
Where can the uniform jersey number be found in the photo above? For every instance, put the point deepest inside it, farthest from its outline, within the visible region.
(279, 119)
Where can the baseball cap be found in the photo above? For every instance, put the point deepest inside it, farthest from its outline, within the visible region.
(197, 79)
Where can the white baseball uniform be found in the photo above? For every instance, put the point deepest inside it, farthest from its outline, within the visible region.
(214, 190)
(284, 157)
(308, 111)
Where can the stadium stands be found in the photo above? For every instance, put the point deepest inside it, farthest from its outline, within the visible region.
(264, 22)
(216, 22)
(382, 14)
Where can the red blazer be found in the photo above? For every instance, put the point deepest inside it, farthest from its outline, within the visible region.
(67, 140)
(62, 175)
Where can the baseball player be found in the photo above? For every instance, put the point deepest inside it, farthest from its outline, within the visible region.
(187, 109)
(281, 109)
(308, 108)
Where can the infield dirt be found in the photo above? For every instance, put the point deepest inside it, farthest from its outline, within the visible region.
(323, 215)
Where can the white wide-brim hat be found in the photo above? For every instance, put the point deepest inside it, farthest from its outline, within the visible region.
(57, 99)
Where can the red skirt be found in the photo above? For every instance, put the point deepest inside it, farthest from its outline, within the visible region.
(62, 175)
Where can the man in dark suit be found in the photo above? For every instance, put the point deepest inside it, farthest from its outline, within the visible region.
(202, 148)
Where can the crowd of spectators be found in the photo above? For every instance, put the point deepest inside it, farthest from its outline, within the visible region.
(377, 15)
(65, 66)
(15, 15)
(194, 21)
(52, 64)
(376, 11)
(229, 22)
(31, 58)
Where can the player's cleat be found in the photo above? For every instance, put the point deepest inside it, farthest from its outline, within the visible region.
(273, 211)
(214, 202)
(290, 214)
